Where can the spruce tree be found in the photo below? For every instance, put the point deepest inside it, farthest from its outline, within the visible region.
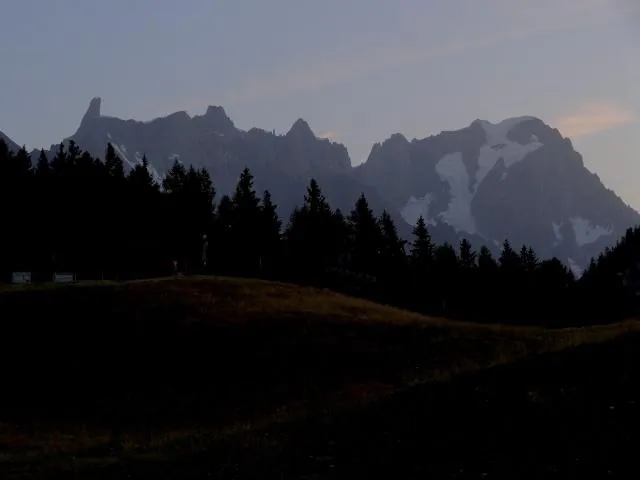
(4, 151)
(392, 246)
(73, 152)
(486, 263)
(446, 272)
(59, 160)
(113, 163)
(528, 259)
(338, 239)
(22, 165)
(365, 237)
(422, 248)
(466, 291)
(313, 237)
(468, 256)
(314, 200)
(246, 225)
(421, 262)
(43, 169)
(143, 196)
(221, 246)
(509, 259)
(270, 231)
(486, 285)
(392, 263)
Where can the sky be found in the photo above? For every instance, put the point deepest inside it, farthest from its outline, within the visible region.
(356, 70)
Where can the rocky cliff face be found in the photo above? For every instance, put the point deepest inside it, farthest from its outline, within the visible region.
(518, 179)
(282, 164)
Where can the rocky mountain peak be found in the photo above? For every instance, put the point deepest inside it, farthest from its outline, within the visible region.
(217, 119)
(518, 178)
(94, 111)
(301, 129)
(396, 139)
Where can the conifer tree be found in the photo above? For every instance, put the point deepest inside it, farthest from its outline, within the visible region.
(422, 248)
(446, 272)
(113, 163)
(509, 259)
(421, 272)
(313, 237)
(365, 237)
(270, 226)
(314, 200)
(528, 259)
(486, 263)
(468, 256)
(43, 169)
(246, 222)
(393, 258)
(221, 246)
(392, 250)
(59, 160)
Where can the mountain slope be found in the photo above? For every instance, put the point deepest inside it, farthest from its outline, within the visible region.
(218, 366)
(518, 179)
(13, 147)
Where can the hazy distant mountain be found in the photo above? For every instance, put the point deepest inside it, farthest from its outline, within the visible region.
(518, 179)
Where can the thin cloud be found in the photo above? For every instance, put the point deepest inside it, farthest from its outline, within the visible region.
(594, 118)
(327, 72)
(331, 135)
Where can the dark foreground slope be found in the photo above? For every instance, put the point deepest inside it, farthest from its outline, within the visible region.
(574, 414)
(222, 378)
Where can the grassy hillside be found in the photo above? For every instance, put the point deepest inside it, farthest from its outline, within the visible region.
(101, 378)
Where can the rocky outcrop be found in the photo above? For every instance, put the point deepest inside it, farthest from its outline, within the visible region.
(282, 164)
(518, 179)
(93, 112)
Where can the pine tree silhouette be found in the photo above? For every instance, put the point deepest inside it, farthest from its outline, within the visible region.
(245, 224)
(366, 238)
(270, 233)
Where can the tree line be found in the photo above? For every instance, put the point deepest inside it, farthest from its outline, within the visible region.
(79, 213)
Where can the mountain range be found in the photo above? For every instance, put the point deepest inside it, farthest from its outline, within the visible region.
(518, 179)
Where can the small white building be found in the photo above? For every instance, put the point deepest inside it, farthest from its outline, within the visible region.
(64, 277)
(21, 278)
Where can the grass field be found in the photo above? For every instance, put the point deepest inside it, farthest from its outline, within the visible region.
(229, 378)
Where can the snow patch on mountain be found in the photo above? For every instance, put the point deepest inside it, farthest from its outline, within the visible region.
(556, 230)
(498, 147)
(150, 168)
(121, 151)
(122, 154)
(452, 170)
(575, 268)
(415, 208)
(586, 233)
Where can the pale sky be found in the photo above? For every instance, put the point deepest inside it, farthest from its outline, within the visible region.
(356, 70)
